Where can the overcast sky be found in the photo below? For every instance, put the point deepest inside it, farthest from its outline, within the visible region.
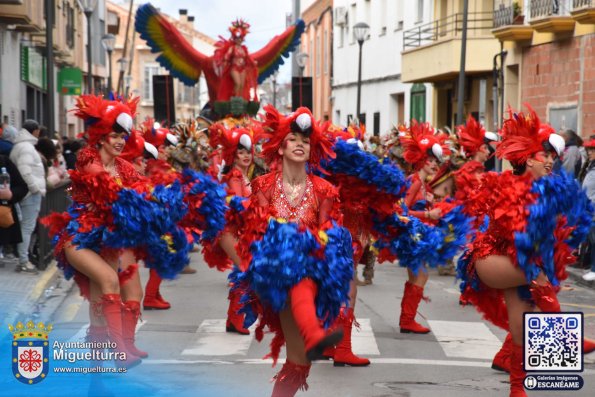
(266, 19)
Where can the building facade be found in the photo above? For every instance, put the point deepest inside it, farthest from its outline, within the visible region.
(550, 62)
(431, 54)
(23, 59)
(385, 98)
(142, 65)
(316, 42)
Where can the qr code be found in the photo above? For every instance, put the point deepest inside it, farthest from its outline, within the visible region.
(553, 342)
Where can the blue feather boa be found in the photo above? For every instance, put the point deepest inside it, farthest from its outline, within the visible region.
(285, 255)
(351, 160)
(212, 207)
(558, 195)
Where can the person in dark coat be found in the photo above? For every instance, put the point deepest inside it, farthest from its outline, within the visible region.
(18, 187)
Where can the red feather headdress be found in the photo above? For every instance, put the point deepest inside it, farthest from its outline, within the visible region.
(136, 146)
(472, 136)
(102, 116)
(420, 141)
(157, 136)
(524, 135)
(230, 138)
(239, 28)
(276, 127)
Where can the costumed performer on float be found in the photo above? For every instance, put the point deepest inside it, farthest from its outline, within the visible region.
(295, 258)
(536, 219)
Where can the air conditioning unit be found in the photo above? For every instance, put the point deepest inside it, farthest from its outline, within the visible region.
(341, 16)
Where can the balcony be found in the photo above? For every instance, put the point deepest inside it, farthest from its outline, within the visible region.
(509, 23)
(583, 11)
(551, 16)
(25, 16)
(431, 52)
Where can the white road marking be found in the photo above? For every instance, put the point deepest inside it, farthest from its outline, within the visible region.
(465, 339)
(212, 340)
(363, 341)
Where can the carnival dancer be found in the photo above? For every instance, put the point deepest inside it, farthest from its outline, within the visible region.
(535, 220)
(424, 150)
(295, 258)
(159, 171)
(367, 188)
(97, 272)
(236, 154)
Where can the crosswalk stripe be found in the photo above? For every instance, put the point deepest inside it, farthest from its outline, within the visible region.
(465, 339)
(363, 341)
(212, 340)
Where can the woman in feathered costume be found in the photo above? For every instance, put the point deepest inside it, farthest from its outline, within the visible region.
(424, 150)
(368, 189)
(102, 274)
(236, 147)
(476, 145)
(294, 256)
(535, 220)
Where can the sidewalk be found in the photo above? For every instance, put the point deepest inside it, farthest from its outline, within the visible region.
(576, 274)
(24, 296)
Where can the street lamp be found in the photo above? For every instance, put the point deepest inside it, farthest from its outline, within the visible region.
(360, 31)
(108, 41)
(88, 7)
(301, 60)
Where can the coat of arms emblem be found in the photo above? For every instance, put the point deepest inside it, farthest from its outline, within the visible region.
(30, 351)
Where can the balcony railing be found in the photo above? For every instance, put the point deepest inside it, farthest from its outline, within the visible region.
(503, 13)
(578, 4)
(547, 8)
(478, 24)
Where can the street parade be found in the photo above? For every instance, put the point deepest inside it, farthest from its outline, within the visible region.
(201, 226)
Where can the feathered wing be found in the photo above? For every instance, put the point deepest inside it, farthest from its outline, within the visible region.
(175, 53)
(270, 57)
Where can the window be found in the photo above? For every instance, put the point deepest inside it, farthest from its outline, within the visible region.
(318, 55)
(69, 26)
(418, 102)
(376, 124)
(420, 11)
(311, 59)
(341, 36)
(349, 119)
(362, 118)
(150, 71)
(399, 14)
(326, 60)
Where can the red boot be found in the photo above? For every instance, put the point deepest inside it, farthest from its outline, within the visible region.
(545, 297)
(235, 320)
(130, 315)
(344, 355)
(411, 298)
(303, 308)
(517, 374)
(153, 299)
(588, 346)
(501, 360)
(111, 305)
(290, 379)
(329, 353)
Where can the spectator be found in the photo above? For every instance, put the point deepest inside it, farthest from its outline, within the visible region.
(11, 195)
(30, 165)
(8, 135)
(57, 171)
(48, 152)
(572, 157)
(71, 148)
(589, 186)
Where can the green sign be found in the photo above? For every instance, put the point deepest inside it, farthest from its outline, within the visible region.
(33, 67)
(70, 81)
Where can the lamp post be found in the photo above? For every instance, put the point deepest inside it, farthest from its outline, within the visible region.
(301, 60)
(88, 7)
(360, 31)
(108, 41)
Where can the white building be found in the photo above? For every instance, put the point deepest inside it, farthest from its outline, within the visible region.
(385, 100)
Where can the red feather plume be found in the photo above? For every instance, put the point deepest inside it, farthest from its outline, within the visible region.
(471, 136)
(418, 140)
